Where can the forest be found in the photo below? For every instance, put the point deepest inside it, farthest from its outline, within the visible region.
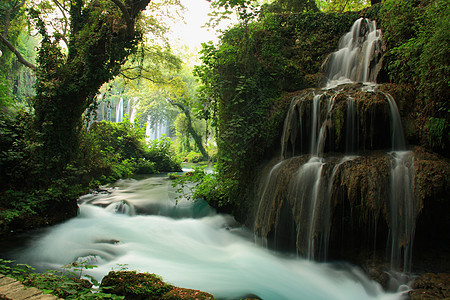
(93, 93)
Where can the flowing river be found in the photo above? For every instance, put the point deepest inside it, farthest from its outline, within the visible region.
(139, 225)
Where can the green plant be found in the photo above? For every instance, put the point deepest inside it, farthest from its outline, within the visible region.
(66, 284)
(244, 78)
(439, 135)
(416, 33)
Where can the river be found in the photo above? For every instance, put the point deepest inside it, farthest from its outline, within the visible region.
(138, 224)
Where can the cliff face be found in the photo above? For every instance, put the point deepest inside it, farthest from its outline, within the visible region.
(341, 187)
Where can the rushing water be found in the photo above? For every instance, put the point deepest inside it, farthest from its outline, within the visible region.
(189, 245)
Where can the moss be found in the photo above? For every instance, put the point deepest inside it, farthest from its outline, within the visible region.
(134, 285)
(181, 293)
(338, 118)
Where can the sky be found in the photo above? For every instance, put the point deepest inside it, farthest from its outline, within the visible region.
(191, 33)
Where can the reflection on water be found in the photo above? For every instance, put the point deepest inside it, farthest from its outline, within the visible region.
(140, 225)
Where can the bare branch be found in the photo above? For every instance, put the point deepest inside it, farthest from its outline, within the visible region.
(63, 10)
(18, 55)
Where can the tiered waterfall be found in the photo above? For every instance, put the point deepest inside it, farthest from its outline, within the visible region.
(343, 163)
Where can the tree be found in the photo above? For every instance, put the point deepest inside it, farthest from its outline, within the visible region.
(12, 23)
(343, 5)
(181, 96)
(86, 48)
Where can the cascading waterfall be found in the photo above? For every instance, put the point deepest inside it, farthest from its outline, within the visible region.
(312, 154)
(358, 55)
(403, 214)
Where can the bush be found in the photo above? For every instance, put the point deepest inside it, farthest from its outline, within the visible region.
(193, 157)
(417, 37)
(115, 150)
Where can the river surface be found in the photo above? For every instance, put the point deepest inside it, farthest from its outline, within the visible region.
(139, 224)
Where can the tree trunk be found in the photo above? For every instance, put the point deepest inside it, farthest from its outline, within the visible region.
(197, 138)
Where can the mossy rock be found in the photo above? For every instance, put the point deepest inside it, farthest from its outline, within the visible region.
(134, 285)
(181, 293)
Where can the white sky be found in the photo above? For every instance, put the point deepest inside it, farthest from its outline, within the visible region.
(190, 32)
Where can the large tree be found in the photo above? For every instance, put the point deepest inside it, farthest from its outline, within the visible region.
(83, 47)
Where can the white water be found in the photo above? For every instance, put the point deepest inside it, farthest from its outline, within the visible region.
(206, 251)
(119, 111)
(156, 129)
(357, 57)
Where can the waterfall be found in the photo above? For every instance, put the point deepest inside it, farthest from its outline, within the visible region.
(358, 57)
(323, 131)
(134, 107)
(156, 129)
(403, 213)
(351, 130)
(119, 111)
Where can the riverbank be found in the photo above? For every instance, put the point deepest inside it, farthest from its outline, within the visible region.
(11, 289)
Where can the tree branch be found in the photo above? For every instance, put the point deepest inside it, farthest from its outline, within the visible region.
(18, 55)
(126, 14)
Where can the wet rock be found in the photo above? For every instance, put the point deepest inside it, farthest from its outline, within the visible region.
(133, 285)
(181, 293)
(431, 286)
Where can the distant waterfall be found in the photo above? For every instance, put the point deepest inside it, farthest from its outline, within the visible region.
(155, 130)
(116, 111)
(323, 131)
(119, 111)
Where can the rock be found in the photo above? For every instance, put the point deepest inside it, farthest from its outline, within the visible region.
(431, 286)
(181, 293)
(134, 286)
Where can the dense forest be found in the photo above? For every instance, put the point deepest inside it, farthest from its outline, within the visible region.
(83, 85)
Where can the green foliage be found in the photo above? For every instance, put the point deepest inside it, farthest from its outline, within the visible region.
(294, 6)
(109, 151)
(417, 33)
(135, 285)
(193, 157)
(199, 184)
(117, 150)
(417, 36)
(17, 148)
(66, 284)
(439, 136)
(244, 77)
(5, 99)
(161, 152)
(342, 5)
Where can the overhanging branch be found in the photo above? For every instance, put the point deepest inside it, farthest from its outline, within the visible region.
(19, 56)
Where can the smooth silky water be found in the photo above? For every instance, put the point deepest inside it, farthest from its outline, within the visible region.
(140, 226)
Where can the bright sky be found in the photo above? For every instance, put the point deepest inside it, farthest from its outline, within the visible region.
(196, 15)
